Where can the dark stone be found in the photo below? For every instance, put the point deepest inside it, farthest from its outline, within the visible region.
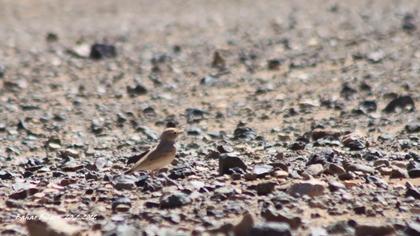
(5, 175)
(180, 172)
(354, 143)
(282, 217)
(274, 64)
(412, 191)
(218, 61)
(398, 173)
(228, 161)
(414, 173)
(373, 230)
(264, 188)
(121, 201)
(24, 193)
(368, 106)
(299, 145)
(412, 229)
(193, 131)
(136, 90)
(347, 91)
(402, 103)
(124, 182)
(271, 229)
(101, 51)
(173, 200)
(321, 157)
(359, 209)
(408, 23)
(341, 228)
(194, 115)
(246, 133)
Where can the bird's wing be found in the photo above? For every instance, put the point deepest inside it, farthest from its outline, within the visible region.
(135, 158)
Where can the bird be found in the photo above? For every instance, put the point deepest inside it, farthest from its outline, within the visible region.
(161, 155)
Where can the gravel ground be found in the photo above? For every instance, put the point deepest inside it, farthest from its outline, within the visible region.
(300, 117)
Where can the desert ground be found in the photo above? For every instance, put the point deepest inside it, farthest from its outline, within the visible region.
(299, 117)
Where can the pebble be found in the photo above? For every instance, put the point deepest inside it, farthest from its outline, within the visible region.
(101, 51)
(121, 204)
(414, 173)
(399, 104)
(373, 230)
(261, 170)
(174, 200)
(227, 161)
(271, 229)
(315, 169)
(272, 215)
(311, 188)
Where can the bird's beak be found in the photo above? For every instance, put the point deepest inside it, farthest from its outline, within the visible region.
(179, 132)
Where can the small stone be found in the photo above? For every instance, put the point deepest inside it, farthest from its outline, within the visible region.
(264, 188)
(353, 142)
(208, 80)
(174, 200)
(274, 64)
(408, 23)
(401, 103)
(121, 204)
(359, 167)
(244, 133)
(373, 230)
(318, 232)
(311, 188)
(262, 170)
(335, 186)
(376, 56)
(335, 169)
(218, 61)
(315, 169)
(136, 90)
(5, 175)
(412, 229)
(368, 106)
(101, 51)
(270, 214)
(413, 127)
(281, 174)
(271, 229)
(228, 161)
(414, 173)
(412, 191)
(398, 173)
(124, 182)
(194, 115)
(97, 125)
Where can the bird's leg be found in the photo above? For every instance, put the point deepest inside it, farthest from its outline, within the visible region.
(171, 181)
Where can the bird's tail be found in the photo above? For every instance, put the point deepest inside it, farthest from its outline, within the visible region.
(130, 171)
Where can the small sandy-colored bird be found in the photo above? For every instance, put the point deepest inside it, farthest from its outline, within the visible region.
(161, 155)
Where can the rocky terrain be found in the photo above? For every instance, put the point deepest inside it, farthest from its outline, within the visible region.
(300, 117)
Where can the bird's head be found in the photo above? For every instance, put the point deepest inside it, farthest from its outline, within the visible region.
(170, 134)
